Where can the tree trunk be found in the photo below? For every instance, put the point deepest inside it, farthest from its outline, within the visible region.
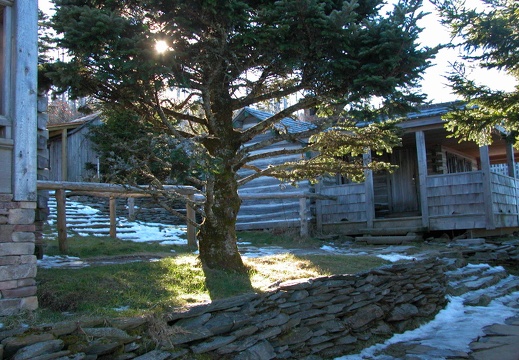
(217, 236)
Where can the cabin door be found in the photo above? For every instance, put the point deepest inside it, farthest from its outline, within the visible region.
(404, 182)
(397, 193)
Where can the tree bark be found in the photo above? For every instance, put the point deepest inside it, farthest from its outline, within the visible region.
(217, 236)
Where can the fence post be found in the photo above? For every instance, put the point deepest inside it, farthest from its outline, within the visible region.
(302, 215)
(61, 204)
(113, 229)
(131, 209)
(191, 220)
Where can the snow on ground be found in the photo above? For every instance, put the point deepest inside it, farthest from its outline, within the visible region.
(394, 257)
(453, 328)
(126, 230)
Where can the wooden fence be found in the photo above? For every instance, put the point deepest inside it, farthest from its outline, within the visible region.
(192, 195)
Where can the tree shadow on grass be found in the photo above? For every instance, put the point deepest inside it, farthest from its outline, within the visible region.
(223, 284)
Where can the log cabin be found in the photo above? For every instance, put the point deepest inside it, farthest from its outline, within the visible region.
(72, 154)
(282, 212)
(442, 184)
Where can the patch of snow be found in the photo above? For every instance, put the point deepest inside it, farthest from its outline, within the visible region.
(122, 308)
(136, 231)
(328, 248)
(395, 257)
(453, 328)
(61, 261)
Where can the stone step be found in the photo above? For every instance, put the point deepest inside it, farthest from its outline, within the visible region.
(503, 288)
(473, 278)
(388, 240)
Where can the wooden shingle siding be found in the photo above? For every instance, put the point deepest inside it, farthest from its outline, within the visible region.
(455, 194)
(350, 204)
(504, 200)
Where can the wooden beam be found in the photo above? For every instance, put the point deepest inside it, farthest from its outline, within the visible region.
(61, 203)
(302, 215)
(319, 209)
(25, 90)
(369, 191)
(421, 153)
(131, 208)
(510, 159)
(191, 221)
(113, 219)
(64, 155)
(113, 188)
(487, 187)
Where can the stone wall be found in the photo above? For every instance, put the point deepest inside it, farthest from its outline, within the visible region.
(20, 229)
(321, 317)
(17, 262)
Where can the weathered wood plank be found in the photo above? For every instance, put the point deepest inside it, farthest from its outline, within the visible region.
(421, 153)
(61, 200)
(113, 219)
(25, 88)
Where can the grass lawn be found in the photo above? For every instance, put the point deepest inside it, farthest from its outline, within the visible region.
(175, 280)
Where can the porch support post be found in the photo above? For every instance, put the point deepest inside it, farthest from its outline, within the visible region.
(64, 155)
(421, 155)
(510, 161)
(370, 193)
(487, 187)
(319, 208)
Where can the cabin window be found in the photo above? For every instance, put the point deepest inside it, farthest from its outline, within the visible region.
(457, 164)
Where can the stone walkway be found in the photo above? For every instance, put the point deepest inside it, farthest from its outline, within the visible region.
(501, 342)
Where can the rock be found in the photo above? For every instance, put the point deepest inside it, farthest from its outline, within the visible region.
(215, 343)
(34, 350)
(403, 312)
(469, 242)
(109, 333)
(296, 336)
(261, 351)
(192, 335)
(478, 300)
(154, 355)
(13, 344)
(364, 316)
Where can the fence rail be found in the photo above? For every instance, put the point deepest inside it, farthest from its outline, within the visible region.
(113, 191)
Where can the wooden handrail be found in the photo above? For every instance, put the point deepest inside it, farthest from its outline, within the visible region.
(113, 191)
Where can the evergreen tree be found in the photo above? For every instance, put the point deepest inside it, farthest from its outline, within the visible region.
(337, 56)
(490, 39)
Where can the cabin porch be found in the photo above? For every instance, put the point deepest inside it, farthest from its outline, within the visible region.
(441, 184)
(459, 201)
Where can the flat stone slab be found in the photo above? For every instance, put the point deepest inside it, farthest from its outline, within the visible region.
(503, 330)
(505, 352)
(470, 242)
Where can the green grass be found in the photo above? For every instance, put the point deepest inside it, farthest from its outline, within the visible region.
(95, 246)
(139, 288)
(287, 239)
